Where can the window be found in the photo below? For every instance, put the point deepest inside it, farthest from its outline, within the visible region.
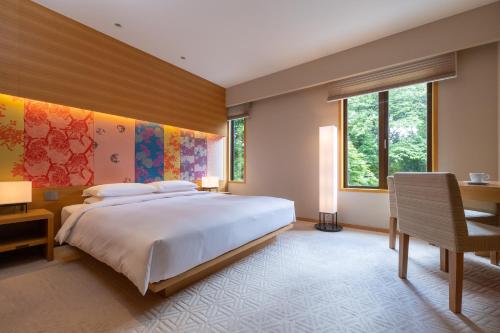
(237, 149)
(387, 132)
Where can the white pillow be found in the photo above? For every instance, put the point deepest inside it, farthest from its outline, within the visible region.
(91, 200)
(173, 186)
(118, 190)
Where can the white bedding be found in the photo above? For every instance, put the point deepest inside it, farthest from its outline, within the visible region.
(68, 210)
(162, 235)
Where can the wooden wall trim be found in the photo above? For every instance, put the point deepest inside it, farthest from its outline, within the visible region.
(49, 57)
(435, 126)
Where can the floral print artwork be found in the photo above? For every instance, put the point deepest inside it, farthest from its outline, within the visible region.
(11, 137)
(200, 155)
(172, 153)
(149, 150)
(114, 149)
(58, 145)
(193, 155)
(187, 155)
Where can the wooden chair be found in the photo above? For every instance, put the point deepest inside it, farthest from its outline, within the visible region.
(393, 217)
(430, 208)
(470, 215)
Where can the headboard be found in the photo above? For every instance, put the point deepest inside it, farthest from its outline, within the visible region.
(67, 196)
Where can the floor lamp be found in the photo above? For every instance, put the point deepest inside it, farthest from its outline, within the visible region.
(328, 171)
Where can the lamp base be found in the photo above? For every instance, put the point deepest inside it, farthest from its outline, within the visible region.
(328, 227)
(209, 189)
(23, 206)
(331, 226)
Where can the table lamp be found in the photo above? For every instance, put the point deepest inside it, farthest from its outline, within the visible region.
(15, 193)
(209, 183)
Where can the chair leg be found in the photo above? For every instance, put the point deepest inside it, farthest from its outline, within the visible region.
(404, 242)
(443, 260)
(393, 226)
(494, 257)
(456, 280)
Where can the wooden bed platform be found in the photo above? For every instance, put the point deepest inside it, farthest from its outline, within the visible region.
(170, 286)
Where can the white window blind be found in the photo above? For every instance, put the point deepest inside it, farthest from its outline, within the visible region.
(426, 70)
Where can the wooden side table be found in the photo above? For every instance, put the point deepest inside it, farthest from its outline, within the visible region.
(19, 239)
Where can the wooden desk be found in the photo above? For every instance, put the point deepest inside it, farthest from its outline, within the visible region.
(489, 193)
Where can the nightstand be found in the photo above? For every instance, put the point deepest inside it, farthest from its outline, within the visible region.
(33, 228)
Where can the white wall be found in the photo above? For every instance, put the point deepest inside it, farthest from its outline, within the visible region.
(469, 29)
(366, 209)
(468, 139)
(282, 148)
(282, 140)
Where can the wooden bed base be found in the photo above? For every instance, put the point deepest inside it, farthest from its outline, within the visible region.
(170, 286)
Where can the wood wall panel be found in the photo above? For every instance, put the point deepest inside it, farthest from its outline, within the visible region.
(49, 57)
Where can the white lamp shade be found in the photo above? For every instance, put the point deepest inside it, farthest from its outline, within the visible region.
(15, 192)
(210, 182)
(328, 169)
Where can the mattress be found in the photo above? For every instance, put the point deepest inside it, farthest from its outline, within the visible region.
(163, 235)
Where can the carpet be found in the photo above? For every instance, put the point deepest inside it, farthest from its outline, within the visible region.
(306, 281)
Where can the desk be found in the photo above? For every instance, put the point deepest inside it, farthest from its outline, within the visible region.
(489, 193)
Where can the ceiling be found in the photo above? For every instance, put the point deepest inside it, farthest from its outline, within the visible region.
(233, 41)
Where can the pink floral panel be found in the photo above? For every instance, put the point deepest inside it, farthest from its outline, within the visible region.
(114, 149)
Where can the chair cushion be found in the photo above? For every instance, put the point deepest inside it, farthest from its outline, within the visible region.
(476, 213)
(482, 237)
(483, 217)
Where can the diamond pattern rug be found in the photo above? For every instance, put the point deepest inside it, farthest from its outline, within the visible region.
(306, 281)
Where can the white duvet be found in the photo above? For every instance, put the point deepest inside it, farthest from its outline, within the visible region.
(159, 236)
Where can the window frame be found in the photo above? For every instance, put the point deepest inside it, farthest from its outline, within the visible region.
(383, 140)
(230, 148)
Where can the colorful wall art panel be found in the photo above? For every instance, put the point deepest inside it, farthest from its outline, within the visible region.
(60, 146)
(11, 137)
(200, 155)
(114, 149)
(187, 155)
(172, 152)
(149, 150)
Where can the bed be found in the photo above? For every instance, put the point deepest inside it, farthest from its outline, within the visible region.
(159, 241)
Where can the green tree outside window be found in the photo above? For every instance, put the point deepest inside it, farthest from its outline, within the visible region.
(407, 141)
(237, 149)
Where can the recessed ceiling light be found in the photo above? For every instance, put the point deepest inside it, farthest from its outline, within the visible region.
(118, 25)
(183, 58)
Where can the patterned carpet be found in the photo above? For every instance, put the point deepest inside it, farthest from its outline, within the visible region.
(306, 281)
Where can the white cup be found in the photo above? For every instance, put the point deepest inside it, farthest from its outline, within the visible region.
(479, 177)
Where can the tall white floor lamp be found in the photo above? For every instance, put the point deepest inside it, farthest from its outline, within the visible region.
(328, 179)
